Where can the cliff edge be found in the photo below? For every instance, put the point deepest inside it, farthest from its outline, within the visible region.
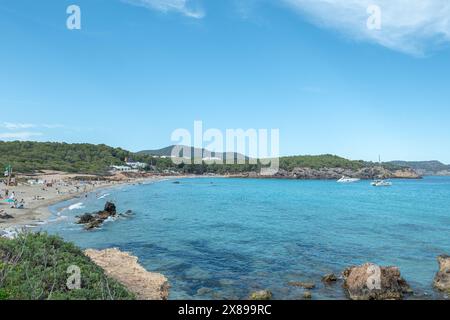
(124, 268)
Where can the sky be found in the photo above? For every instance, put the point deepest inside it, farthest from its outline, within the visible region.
(320, 71)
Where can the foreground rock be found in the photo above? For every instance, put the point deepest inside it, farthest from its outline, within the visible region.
(261, 295)
(95, 220)
(372, 282)
(329, 278)
(125, 268)
(442, 279)
(307, 295)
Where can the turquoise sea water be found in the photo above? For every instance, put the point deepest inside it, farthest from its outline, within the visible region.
(223, 238)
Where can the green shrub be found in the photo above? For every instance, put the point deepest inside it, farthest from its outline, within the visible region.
(34, 267)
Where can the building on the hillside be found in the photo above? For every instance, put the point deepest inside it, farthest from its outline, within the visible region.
(123, 169)
(212, 159)
(137, 165)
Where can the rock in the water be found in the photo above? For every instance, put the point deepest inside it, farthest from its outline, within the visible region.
(204, 291)
(93, 224)
(103, 215)
(304, 285)
(86, 218)
(307, 295)
(95, 220)
(442, 279)
(110, 208)
(372, 282)
(329, 278)
(261, 295)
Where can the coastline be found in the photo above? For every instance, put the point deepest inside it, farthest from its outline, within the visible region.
(146, 284)
(37, 211)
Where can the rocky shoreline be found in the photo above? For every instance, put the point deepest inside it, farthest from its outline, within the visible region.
(366, 173)
(370, 282)
(124, 268)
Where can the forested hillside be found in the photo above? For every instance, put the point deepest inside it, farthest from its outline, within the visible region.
(96, 159)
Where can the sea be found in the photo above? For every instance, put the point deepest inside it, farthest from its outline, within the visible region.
(223, 238)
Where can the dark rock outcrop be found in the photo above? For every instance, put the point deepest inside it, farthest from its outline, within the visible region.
(110, 208)
(96, 219)
(329, 278)
(442, 279)
(86, 218)
(372, 282)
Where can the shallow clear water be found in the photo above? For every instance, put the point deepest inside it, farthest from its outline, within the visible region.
(223, 238)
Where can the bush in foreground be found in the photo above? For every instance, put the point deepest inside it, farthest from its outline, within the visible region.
(35, 267)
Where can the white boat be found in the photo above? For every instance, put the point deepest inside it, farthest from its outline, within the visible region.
(347, 180)
(381, 183)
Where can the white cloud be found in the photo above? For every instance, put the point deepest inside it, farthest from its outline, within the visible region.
(409, 26)
(185, 7)
(15, 126)
(21, 126)
(22, 135)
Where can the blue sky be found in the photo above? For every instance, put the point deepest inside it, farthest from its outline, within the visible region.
(139, 69)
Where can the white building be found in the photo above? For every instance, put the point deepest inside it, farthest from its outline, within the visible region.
(212, 159)
(137, 165)
(123, 169)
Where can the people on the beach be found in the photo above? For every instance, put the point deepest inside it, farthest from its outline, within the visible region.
(4, 215)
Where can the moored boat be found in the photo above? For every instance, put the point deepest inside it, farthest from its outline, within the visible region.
(381, 183)
(345, 179)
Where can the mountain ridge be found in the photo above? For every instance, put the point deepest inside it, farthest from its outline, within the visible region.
(426, 168)
(167, 152)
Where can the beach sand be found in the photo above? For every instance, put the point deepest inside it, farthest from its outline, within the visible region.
(39, 197)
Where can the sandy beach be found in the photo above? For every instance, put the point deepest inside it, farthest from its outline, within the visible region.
(58, 187)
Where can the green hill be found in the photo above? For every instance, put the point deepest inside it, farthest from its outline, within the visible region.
(320, 161)
(164, 152)
(96, 159)
(77, 158)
